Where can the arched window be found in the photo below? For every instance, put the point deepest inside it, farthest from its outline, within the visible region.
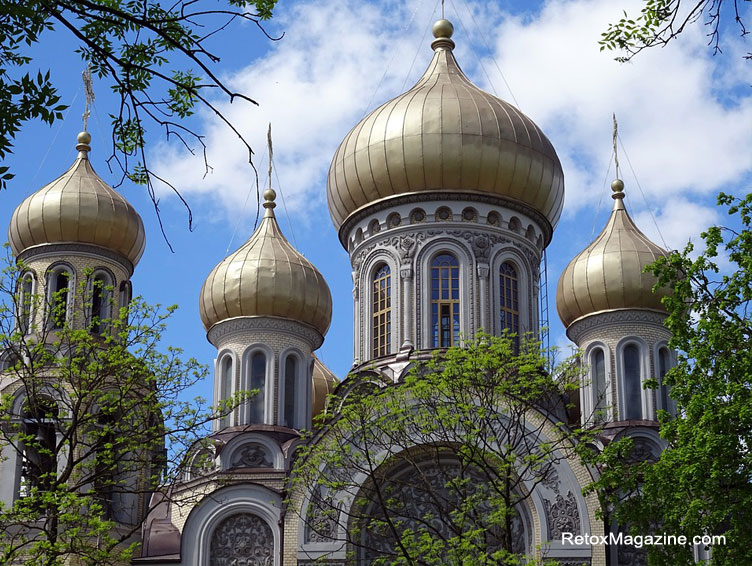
(290, 407)
(598, 384)
(25, 310)
(39, 456)
(664, 364)
(59, 285)
(109, 463)
(226, 383)
(242, 539)
(258, 384)
(632, 382)
(101, 302)
(445, 300)
(509, 299)
(382, 310)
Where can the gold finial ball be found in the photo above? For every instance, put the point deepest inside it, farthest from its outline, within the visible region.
(270, 195)
(84, 137)
(617, 185)
(443, 29)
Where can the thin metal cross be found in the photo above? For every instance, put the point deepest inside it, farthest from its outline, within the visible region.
(616, 153)
(271, 152)
(89, 91)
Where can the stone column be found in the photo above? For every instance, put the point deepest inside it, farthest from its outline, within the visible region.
(483, 271)
(357, 354)
(406, 276)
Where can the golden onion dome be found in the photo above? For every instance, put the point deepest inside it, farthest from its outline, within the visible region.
(324, 382)
(608, 274)
(78, 207)
(266, 277)
(445, 135)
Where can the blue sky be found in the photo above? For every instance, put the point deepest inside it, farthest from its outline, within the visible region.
(685, 122)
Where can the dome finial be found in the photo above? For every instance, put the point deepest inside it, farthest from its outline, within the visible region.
(442, 31)
(83, 140)
(617, 186)
(269, 196)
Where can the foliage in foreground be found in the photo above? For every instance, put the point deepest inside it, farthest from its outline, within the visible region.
(96, 417)
(159, 59)
(662, 21)
(702, 484)
(448, 457)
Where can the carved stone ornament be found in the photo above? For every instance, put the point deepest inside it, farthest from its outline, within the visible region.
(642, 451)
(562, 516)
(322, 518)
(481, 246)
(242, 540)
(420, 501)
(406, 246)
(251, 456)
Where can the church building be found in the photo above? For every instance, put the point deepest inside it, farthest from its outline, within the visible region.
(445, 199)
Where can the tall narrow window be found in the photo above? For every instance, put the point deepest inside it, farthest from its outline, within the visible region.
(382, 310)
(445, 300)
(598, 384)
(25, 303)
(258, 383)
(290, 406)
(101, 302)
(108, 463)
(226, 385)
(664, 364)
(39, 457)
(60, 281)
(509, 300)
(632, 383)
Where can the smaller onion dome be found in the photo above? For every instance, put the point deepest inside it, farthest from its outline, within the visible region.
(324, 382)
(266, 277)
(78, 207)
(608, 274)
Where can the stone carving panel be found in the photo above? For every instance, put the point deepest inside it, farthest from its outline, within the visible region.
(322, 520)
(251, 456)
(242, 540)
(562, 516)
(422, 501)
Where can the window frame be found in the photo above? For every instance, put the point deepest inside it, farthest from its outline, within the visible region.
(53, 273)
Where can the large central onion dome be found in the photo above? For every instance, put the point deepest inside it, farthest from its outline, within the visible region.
(78, 207)
(266, 277)
(608, 274)
(445, 135)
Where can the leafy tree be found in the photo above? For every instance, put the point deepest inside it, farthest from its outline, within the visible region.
(661, 21)
(96, 419)
(449, 456)
(702, 483)
(159, 58)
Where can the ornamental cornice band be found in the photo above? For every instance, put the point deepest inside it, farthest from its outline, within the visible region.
(75, 248)
(614, 317)
(260, 323)
(419, 197)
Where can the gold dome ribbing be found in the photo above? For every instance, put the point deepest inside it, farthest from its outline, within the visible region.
(78, 207)
(445, 135)
(266, 277)
(607, 275)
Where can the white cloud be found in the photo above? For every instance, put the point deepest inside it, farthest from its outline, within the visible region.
(679, 136)
(677, 222)
(683, 133)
